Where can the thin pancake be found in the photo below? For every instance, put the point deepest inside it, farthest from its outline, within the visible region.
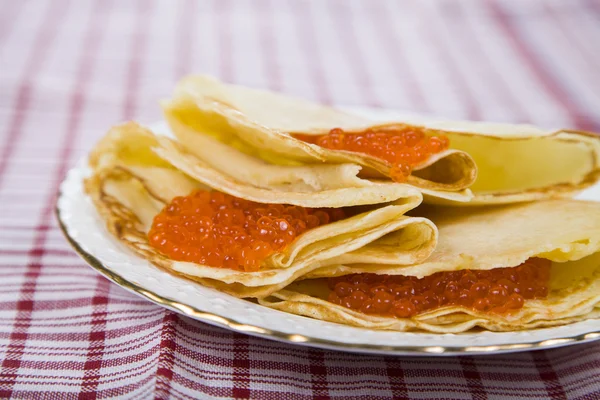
(194, 119)
(485, 238)
(128, 189)
(514, 162)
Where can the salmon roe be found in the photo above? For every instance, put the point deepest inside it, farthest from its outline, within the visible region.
(500, 290)
(219, 230)
(402, 146)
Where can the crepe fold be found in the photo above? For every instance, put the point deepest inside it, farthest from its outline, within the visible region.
(567, 232)
(136, 173)
(514, 163)
(206, 115)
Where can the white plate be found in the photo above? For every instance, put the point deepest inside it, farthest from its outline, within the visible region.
(87, 234)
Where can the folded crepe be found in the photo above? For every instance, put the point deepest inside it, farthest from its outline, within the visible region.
(500, 268)
(208, 123)
(514, 162)
(165, 204)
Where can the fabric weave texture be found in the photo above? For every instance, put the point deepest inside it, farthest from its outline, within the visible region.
(71, 68)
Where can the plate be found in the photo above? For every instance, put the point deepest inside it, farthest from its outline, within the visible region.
(85, 231)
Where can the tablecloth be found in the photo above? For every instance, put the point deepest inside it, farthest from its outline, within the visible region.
(70, 69)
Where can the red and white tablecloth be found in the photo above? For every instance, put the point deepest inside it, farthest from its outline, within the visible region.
(70, 69)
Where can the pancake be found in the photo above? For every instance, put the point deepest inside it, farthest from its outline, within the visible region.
(547, 253)
(138, 177)
(486, 163)
(201, 123)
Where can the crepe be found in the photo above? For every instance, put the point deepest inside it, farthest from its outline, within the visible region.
(514, 162)
(567, 232)
(135, 174)
(207, 125)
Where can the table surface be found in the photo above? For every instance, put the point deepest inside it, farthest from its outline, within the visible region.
(70, 69)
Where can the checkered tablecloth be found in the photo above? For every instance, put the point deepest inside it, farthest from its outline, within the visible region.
(70, 69)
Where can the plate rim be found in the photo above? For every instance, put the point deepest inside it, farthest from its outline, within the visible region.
(298, 339)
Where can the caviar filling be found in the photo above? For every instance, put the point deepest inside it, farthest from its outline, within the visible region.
(403, 146)
(500, 290)
(219, 230)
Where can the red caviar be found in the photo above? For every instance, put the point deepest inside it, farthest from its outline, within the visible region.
(500, 290)
(402, 146)
(219, 230)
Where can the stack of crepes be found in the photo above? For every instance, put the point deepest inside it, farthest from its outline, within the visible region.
(306, 209)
